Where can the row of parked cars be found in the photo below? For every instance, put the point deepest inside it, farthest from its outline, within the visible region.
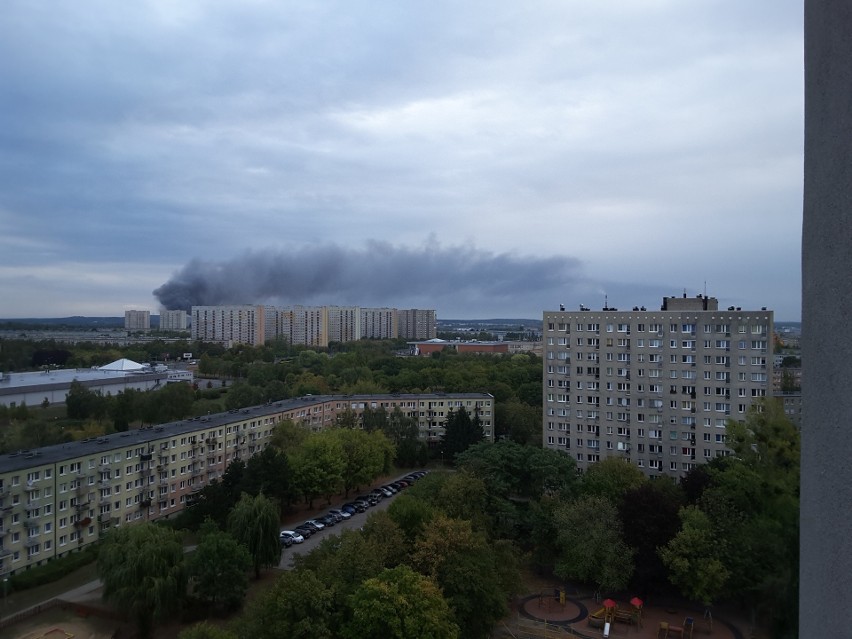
(336, 515)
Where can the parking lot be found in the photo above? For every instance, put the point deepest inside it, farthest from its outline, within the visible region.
(354, 522)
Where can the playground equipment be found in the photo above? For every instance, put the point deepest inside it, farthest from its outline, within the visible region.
(611, 612)
(683, 631)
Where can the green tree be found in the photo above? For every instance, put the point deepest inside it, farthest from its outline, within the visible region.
(254, 523)
(462, 563)
(269, 473)
(217, 570)
(81, 403)
(590, 544)
(518, 421)
(612, 478)
(143, 572)
(318, 466)
(298, 606)
(512, 470)
(460, 432)
(649, 515)
(400, 604)
(693, 558)
(206, 630)
(363, 456)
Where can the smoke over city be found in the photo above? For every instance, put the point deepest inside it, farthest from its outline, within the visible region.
(379, 274)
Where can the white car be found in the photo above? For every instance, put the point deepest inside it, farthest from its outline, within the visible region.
(341, 514)
(292, 536)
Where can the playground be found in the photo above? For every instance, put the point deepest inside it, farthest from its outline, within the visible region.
(61, 624)
(550, 613)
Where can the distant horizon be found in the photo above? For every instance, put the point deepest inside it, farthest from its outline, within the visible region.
(157, 315)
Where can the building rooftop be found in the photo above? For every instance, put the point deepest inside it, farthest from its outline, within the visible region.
(23, 459)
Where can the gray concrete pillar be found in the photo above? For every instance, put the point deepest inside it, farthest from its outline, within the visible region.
(826, 512)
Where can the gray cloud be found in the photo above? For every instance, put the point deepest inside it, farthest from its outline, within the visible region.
(654, 142)
(377, 274)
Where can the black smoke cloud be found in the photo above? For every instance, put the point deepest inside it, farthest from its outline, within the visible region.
(379, 274)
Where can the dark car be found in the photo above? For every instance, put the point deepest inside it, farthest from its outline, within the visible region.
(326, 520)
(340, 513)
(305, 531)
(354, 506)
(372, 500)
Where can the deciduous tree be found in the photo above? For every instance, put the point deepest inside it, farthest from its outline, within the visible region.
(143, 572)
(217, 569)
(254, 524)
(400, 604)
(590, 544)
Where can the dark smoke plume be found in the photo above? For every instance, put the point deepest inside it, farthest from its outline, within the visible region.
(379, 274)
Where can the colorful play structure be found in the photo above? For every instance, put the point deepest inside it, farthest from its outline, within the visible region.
(611, 612)
(684, 631)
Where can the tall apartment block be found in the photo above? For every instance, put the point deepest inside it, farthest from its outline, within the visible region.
(379, 323)
(229, 325)
(137, 320)
(308, 325)
(58, 499)
(656, 388)
(417, 323)
(173, 320)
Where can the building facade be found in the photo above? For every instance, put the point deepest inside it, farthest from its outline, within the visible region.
(173, 320)
(414, 323)
(379, 323)
(306, 325)
(229, 325)
(137, 320)
(656, 388)
(58, 499)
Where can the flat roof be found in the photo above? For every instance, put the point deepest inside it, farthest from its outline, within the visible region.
(24, 459)
(12, 383)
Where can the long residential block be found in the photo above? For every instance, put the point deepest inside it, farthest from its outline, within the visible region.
(57, 499)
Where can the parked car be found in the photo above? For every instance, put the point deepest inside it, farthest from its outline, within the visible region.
(305, 531)
(313, 523)
(326, 520)
(340, 513)
(387, 492)
(290, 537)
(378, 493)
(355, 505)
(371, 500)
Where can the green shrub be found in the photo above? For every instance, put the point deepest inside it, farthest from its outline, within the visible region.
(53, 569)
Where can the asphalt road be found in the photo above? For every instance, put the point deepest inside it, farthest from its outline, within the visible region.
(355, 521)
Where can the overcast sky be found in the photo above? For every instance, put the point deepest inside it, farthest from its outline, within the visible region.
(485, 159)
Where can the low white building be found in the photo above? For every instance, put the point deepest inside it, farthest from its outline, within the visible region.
(52, 385)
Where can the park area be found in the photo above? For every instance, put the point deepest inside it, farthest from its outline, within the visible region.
(553, 612)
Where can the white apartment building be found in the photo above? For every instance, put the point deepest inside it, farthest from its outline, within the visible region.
(137, 320)
(57, 499)
(379, 323)
(344, 323)
(173, 320)
(656, 388)
(229, 325)
(308, 325)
